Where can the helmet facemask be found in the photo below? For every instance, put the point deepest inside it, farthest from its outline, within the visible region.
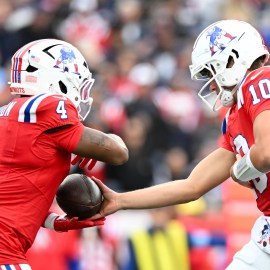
(86, 101)
(225, 77)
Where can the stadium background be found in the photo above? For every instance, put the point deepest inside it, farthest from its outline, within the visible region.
(139, 52)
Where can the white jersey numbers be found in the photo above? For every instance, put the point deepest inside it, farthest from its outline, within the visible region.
(61, 110)
(264, 87)
(240, 143)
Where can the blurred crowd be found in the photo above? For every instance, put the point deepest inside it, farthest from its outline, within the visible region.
(139, 53)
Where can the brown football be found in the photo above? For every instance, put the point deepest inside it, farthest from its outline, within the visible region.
(79, 196)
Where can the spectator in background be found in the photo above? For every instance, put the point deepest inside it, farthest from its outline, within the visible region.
(182, 113)
(88, 30)
(163, 245)
(120, 84)
(5, 50)
(145, 77)
(138, 170)
(98, 250)
(129, 14)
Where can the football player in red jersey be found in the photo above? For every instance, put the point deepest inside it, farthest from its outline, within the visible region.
(230, 56)
(40, 128)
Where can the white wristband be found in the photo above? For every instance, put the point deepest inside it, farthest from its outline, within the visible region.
(49, 222)
(244, 170)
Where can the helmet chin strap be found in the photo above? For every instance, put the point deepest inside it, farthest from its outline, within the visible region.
(227, 98)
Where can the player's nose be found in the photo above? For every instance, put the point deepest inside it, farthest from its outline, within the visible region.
(213, 87)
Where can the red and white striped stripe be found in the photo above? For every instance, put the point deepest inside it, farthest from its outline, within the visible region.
(15, 267)
(17, 61)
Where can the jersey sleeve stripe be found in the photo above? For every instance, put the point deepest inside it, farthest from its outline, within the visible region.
(8, 267)
(224, 126)
(28, 111)
(15, 267)
(225, 123)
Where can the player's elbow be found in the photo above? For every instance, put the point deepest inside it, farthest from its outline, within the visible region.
(120, 157)
(195, 193)
(263, 161)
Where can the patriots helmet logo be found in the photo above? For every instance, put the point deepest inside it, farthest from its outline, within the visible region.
(66, 57)
(218, 39)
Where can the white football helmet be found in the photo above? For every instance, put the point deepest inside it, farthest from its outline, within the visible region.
(220, 41)
(52, 66)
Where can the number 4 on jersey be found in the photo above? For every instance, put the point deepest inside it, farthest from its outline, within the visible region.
(61, 109)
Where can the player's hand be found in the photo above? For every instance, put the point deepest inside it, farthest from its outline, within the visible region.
(110, 202)
(84, 162)
(244, 184)
(64, 223)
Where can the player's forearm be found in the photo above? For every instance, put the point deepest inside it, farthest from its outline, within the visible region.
(209, 173)
(171, 193)
(97, 145)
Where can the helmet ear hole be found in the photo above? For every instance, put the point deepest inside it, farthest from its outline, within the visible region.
(230, 62)
(63, 88)
(31, 68)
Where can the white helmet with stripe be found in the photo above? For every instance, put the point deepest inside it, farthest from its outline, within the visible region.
(219, 43)
(52, 66)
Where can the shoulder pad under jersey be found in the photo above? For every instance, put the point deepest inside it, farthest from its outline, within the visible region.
(49, 110)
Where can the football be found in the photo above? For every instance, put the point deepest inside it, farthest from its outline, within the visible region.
(79, 196)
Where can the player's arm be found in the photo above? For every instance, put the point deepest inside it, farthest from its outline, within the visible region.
(209, 173)
(256, 161)
(97, 145)
(60, 118)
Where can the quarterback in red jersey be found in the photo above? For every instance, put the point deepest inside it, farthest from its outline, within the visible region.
(230, 56)
(40, 129)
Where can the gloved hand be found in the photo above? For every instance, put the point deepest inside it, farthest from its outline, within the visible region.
(83, 162)
(64, 223)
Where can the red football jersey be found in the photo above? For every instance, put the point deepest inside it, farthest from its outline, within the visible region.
(33, 162)
(237, 128)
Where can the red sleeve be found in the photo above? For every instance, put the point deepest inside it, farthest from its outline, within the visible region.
(57, 111)
(68, 138)
(224, 143)
(65, 139)
(256, 92)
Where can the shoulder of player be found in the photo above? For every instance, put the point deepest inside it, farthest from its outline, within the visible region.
(54, 98)
(46, 106)
(258, 74)
(49, 101)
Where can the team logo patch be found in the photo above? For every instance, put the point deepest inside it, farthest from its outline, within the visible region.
(218, 39)
(67, 57)
(265, 236)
